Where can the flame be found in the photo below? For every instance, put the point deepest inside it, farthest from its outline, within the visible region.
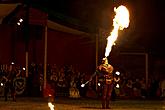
(120, 21)
(51, 106)
(117, 86)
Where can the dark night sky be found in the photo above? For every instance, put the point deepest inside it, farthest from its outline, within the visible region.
(147, 17)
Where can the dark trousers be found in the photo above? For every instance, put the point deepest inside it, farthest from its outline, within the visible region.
(106, 95)
(9, 87)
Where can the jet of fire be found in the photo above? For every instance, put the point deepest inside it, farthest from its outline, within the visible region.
(120, 21)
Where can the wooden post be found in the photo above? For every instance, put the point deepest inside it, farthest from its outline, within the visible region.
(146, 66)
(45, 58)
(97, 42)
(26, 63)
(26, 37)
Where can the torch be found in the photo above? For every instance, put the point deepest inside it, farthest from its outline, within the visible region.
(82, 85)
(50, 105)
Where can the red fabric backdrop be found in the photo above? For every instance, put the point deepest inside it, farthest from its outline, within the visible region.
(63, 48)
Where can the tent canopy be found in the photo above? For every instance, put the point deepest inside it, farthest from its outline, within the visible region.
(36, 17)
(6, 9)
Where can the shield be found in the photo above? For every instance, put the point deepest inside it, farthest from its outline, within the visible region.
(20, 84)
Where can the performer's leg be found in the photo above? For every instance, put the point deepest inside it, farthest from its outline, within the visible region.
(104, 93)
(6, 90)
(13, 94)
(109, 93)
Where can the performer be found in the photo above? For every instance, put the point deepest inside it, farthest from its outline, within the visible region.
(105, 78)
(9, 85)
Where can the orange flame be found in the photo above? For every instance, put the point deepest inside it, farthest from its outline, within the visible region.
(120, 21)
(51, 106)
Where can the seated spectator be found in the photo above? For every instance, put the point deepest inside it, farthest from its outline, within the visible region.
(73, 91)
(162, 86)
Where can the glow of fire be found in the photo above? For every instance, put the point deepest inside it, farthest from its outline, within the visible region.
(117, 86)
(51, 106)
(120, 21)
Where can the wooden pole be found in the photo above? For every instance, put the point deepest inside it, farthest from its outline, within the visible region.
(146, 66)
(97, 42)
(45, 58)
(26, 63)
(26, 34)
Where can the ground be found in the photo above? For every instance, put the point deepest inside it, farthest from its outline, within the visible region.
(79, 104)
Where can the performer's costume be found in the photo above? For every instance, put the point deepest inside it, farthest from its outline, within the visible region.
(9, 85)
(105, 78)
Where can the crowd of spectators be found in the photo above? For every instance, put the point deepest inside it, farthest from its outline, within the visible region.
(137, 87)
(66, 81)
(130, 86)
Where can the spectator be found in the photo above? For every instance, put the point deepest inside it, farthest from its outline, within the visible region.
(162, 86)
